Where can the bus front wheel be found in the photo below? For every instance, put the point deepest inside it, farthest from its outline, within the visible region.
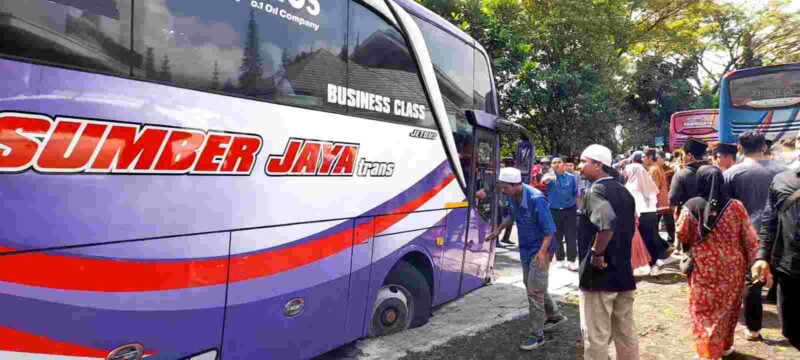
(403, 302)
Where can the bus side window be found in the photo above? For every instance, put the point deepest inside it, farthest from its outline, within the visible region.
(93, 37)
(453, 63)
(265, 50)
(383, 78)
(483, 95)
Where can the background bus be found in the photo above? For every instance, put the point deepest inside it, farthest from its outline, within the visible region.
(236, 180)
(700, 124)
(766, 99)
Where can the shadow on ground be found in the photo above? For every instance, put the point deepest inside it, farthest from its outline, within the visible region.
(663, 279)
(502, 341)
(670, 275)
(507, 262)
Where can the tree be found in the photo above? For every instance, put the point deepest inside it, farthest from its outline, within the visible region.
(150, 71)
(251, 70)
(666, 27)
(749, 58)
(165, 74)
(215, 77)
(575, 72)
(658, 89)
(554, 67)
(769, 36)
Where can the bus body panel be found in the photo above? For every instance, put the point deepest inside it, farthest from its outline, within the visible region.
(475, 266)
(700, 124)
(80, 301)
(259, 329)
(107, 208)
(256, 324)
(198, 203)
(452, 255)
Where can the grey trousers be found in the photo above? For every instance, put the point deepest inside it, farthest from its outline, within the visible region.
(540, 305)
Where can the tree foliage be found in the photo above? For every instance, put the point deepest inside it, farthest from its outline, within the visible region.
(576, 72)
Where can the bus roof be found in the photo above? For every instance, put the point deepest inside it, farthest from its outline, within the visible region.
(762, 69)
(693, 112)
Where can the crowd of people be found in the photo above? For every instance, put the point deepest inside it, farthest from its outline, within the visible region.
(729, 212)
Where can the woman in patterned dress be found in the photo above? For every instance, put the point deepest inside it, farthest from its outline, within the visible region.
(723, 243)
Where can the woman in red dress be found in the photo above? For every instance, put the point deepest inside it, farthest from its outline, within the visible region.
(723, 243)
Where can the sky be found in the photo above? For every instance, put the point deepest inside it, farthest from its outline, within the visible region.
(757, 4)
(753, 6)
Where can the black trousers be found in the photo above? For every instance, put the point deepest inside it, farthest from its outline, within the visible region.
(753, 308)
(566, 232)
(648, 228)
(507, 234)
(788, 311)
(669, 220)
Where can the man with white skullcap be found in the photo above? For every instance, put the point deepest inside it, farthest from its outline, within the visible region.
(529, 209)
(606, 274)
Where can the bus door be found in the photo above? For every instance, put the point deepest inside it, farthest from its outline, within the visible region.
(482, 213)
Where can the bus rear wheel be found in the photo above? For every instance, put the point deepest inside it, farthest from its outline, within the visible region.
(403, 302)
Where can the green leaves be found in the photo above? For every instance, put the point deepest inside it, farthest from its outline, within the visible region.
(575, 71)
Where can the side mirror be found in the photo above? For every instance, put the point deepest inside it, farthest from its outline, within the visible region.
(506, 126)
(523, 157)
(482, 119)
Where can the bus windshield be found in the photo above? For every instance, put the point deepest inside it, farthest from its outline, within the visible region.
(764, 99)
(770, 90)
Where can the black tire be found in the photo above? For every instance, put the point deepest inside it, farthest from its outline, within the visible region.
(409, 277)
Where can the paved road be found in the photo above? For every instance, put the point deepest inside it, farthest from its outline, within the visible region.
(502, 301)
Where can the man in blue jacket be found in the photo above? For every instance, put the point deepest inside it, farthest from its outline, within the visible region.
(562, 194)
(529, 209)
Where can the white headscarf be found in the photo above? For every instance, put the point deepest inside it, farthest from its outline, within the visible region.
(640, 183)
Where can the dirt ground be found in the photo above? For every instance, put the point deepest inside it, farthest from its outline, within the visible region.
(502, 341)
(662, 320)
(664, 325)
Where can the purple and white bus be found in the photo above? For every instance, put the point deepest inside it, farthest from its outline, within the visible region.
(236, 179)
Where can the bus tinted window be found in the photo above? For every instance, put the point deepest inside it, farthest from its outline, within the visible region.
(266, 50)
(384, 80)
(769, 90)
(453, 63)
(94, 36)
(483, 85)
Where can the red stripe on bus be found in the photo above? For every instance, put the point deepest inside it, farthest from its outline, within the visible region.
(273, 262)
(765, 123)
(20, 341)
(111, 275)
